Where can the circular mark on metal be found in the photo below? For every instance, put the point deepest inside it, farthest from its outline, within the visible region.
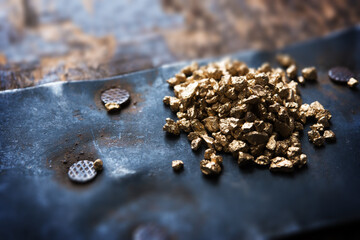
(115, 95)
(82, 171)
(340, 74)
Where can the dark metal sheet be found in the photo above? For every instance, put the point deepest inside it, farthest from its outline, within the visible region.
(42, 126)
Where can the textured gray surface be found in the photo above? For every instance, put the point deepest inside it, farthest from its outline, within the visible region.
(43, 125)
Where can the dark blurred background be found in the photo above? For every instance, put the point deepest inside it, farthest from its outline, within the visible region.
(54, 40)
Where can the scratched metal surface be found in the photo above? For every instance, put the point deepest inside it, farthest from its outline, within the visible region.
(44, 125)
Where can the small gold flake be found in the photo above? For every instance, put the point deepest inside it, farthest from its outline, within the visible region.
(112, 106)
(281, 164)
(309, 73)
(196, 143)
(352, 82)
(284, 60)
(329, 136)
(291, 71)
(262, 160)
(171, 127)
(301, 79)
(299, 161)
(177, 165)
(244, 159)
(210, 168)
(98, 165)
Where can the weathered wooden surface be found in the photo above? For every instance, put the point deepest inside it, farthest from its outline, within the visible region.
(46, 41)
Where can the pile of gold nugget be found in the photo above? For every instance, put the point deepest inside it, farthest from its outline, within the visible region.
(254, 114)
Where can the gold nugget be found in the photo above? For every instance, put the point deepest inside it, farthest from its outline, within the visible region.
(309, 73)
(177, 165)
(210, 168)
(255, 114)
(98, 164)
(112, 106)
(329, 136)
(352, 82)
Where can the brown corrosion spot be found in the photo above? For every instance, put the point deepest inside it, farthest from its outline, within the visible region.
(61, 161)
(68, 150)
(2, 59)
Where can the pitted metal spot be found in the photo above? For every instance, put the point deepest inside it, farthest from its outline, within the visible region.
(82, 171)
(115, 95)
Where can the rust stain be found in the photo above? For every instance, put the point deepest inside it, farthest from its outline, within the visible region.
(193, 29)
(60, 162)
(79, 146)
(83, 49)
(83, 57)
(2, 59)
(70, 149)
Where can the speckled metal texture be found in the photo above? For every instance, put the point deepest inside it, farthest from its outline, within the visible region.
(43, 125)
(82, 171)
